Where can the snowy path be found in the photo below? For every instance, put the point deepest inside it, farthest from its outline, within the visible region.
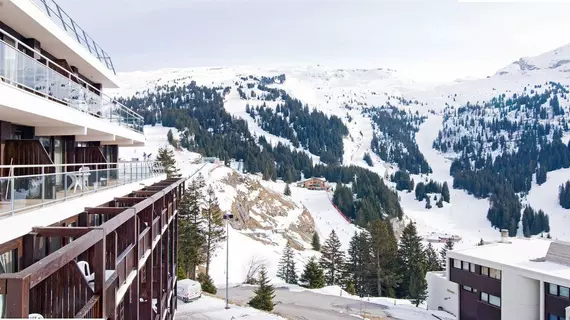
(326, 217)
(465, 216)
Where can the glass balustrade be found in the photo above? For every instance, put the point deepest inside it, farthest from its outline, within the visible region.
(19, 69)
(60, 182)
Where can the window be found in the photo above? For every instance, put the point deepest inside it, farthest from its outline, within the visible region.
(552, 289)
(485, 271)
(465, 265)
(467, 288)
(457, 264)
(564, 292)
(494, 273)
(554, 317)
(472, 267)
(491, 299)
(496, 301)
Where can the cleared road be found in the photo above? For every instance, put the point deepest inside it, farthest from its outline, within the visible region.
(307, 305)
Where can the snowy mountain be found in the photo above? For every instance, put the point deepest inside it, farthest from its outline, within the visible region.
(469, 119)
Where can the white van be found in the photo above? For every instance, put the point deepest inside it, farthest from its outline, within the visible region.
(188, 290)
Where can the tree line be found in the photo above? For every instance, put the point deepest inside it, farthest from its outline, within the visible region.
(394, 138)
(199, 115)
(564, 195)
(373, 265)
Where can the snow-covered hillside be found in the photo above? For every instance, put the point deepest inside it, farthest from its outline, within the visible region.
(346, 93)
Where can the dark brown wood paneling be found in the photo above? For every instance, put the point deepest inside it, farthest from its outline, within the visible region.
(554, 304)
(475, 280)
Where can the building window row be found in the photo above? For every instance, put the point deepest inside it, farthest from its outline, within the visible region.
(559, 291)
(491, 299)
(485, 271)
(490, 272)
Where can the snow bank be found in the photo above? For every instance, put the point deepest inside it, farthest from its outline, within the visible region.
(211, 308)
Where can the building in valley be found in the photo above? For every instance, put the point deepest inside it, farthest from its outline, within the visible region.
(82, 235)
(514, 279)
(314, 183)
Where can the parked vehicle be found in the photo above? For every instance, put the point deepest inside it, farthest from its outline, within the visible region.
(188, 290)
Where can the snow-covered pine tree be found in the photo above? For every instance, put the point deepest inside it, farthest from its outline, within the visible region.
(313, 277)
(332, 259)
(445, 192)
(286, 268)
(264, 294)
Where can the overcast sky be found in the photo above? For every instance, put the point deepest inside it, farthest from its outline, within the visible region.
(430, 39)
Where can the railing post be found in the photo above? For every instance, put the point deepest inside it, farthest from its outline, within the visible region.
(65, 184)
(18, 297)
(96, 177)
(43, 185)
(12, 193)
(131, 174)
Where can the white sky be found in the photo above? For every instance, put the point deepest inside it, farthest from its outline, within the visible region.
(427, 40)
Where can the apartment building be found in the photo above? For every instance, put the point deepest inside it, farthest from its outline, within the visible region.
(513, 279)
(82, 235)
(314, 183)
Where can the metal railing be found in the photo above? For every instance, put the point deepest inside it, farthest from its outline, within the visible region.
(55, 83)
(55, 183)
(64, 21)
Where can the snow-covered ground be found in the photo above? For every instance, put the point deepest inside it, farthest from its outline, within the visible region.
(545, 197)
(210, 308)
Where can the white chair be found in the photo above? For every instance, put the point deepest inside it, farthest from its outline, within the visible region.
(85, 270)
(35, 316)
(81, 179)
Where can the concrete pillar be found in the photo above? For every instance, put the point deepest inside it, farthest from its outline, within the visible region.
(541, 316)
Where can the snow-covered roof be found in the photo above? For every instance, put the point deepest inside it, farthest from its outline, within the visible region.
(313, 178)
(530, 257)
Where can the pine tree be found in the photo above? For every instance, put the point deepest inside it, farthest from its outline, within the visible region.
(420, 191)
(264, 294)
(191, 224)
(428, 203)
(439, 203)
(445, 192)
(207, 283)
(384, 252)
(541, 174)
(332, 259)
(166, 158)
(443, 252)
(417, 290)
(313, 277)
(287, 191)
(411, 258)
(170, 137)
(432, 260)
(286, 268)
(214, 230)
(481, 242)
(316, 242)
(350, 288)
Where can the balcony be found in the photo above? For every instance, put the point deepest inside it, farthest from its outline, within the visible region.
(26, 187)
(116, 261)
(57, 15)
(52, 82)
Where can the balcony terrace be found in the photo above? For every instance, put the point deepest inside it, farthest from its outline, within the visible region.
(114, 261)
(24, 68)
(26, 187)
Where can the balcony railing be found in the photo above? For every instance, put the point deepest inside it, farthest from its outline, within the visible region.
(53, 82)
(54, 183)
(57, 15)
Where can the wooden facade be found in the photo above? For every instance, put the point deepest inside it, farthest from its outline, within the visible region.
(131, 248)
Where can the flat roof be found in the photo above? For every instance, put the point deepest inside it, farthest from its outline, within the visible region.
(522, 254)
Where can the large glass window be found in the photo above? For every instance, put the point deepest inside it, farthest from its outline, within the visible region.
(472, 267)
(552, 289)
(554, 317)
(465, 265)
(485, 271)
(484, 297)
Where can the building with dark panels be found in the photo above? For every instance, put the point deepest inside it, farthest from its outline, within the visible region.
(513, 279)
